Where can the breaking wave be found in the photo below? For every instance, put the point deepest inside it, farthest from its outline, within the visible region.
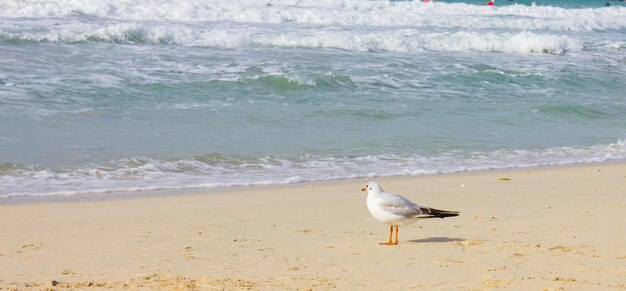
(403, 40)
(360, 26)
(333, 13)
(216, 170)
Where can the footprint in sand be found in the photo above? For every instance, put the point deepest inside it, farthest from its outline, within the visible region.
(490, 282)
(450, 261)
(311, 232)
(468, 243)
(497, 269)
(25, 253)
(293, 268)
(31, 247)
(187, 254)
(561, 248)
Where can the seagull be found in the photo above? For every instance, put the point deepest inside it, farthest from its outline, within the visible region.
(396, 210)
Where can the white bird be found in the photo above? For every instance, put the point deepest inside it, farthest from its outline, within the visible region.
(396, 210)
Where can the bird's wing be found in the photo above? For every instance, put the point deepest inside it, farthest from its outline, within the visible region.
(423, 209)
(401, 206)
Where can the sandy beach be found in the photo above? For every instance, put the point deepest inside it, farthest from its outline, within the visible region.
(526, 229)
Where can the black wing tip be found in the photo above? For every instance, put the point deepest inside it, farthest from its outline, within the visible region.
(443, 213)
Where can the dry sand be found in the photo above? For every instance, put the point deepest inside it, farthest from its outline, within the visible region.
(544, 228)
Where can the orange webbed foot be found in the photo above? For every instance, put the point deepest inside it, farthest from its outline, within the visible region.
(391, 242)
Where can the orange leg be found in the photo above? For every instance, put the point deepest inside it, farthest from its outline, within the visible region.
(390, 242)
(396, 235)
(390, 235)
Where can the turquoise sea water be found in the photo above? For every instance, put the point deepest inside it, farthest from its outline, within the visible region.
(103, 96)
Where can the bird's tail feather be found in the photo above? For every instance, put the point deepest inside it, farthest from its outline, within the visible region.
(443, 213)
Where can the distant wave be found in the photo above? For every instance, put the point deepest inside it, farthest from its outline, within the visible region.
(334, 13)
(215, 170)
(360, 26)
(395, 40)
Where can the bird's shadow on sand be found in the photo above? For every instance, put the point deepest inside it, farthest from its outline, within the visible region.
(436, 239)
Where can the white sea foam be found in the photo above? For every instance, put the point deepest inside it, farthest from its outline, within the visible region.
(145, 174)
(408, 26)
(342, 13)
(395, 40)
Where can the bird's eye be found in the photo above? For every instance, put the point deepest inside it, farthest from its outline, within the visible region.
(370, 188)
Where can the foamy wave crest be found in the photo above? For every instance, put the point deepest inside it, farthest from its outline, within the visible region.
(335, 13)
(523, 42)
(396, 40)
(142, 174)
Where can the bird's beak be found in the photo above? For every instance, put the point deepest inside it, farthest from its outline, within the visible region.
(364, 189)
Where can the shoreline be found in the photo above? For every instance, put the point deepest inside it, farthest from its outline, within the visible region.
(543, 228)
(139, 194)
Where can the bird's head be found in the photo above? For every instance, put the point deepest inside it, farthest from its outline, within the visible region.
(372, 187)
